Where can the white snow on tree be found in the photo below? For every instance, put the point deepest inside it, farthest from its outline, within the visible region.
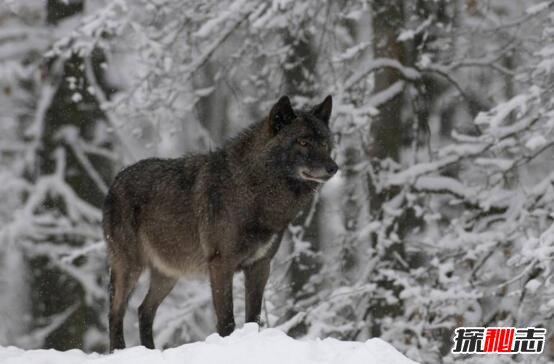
(442, 215)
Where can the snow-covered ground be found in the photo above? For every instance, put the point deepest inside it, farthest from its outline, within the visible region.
(245, 346)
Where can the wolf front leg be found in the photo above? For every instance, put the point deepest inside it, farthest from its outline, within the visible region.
(221, 280)
(255, 279)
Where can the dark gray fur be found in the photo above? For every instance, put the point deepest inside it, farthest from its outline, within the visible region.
(213, 214)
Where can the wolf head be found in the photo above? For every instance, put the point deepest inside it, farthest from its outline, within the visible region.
(301, 141)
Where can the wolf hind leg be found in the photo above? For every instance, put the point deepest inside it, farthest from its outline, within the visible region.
(160, 286)
(122, 283)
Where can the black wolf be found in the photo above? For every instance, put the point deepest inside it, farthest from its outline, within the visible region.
(213, 214)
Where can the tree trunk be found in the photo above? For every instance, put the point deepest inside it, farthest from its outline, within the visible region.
(388, 18)
(298, 76)
(53, 291)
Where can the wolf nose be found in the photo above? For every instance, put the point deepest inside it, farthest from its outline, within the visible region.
(332, 169)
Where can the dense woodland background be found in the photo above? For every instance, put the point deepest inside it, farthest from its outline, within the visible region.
(442, 215)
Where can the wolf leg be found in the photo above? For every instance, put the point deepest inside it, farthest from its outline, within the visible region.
(255, 279)
(122, 283)
(160, 286)
(221, 281)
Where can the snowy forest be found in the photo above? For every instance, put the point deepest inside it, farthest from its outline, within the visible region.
(441, 215)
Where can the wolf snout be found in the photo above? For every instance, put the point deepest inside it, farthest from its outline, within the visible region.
(319, 174)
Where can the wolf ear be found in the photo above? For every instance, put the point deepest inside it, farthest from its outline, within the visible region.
(323, 110)
(281, 114)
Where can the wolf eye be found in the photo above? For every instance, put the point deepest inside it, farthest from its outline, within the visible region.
(303, 142)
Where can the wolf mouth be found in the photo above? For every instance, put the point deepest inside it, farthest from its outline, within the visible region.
(310, 177)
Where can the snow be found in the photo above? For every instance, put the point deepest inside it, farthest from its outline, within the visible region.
(537, 8)
(245, 346)
(378, 63)
(502, 164)
(533, 285)
(447, 184)
(535, 142)
(496, 116)
(76, 97)
(411, 173)
(409, 34)
(182, 79)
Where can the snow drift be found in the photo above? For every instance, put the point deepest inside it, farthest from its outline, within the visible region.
(245, 346)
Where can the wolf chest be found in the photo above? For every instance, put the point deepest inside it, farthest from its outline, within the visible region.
(263, 250)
